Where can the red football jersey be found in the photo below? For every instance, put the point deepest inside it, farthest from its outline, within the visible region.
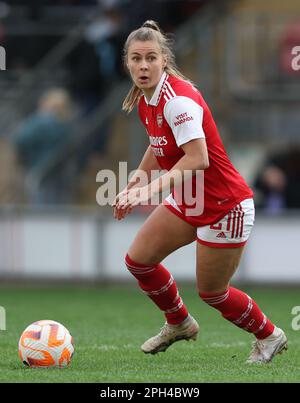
(175, 115)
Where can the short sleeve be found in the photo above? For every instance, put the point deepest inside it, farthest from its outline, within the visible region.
(185, 118)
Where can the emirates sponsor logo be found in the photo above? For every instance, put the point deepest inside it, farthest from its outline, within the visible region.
(182, 118)
(158, 141)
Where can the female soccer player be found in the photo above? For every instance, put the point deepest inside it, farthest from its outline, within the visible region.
(184, 141)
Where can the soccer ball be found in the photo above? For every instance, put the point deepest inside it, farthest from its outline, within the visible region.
(46, 344)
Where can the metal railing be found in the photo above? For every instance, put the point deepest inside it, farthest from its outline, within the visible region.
(258, 77)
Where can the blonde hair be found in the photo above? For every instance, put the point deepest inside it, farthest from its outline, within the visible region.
(150, 31)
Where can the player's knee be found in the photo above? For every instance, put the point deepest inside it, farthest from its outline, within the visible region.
(131, 261)
(130, 264)
(128, 261)
(137, 268)
(142, 256)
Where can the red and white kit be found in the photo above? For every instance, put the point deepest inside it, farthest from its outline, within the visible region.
(175, 115)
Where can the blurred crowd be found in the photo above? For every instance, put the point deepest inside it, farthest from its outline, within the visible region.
(97, 59)
(89, 71)
(277, 184)
(39, 137)
(87, 75)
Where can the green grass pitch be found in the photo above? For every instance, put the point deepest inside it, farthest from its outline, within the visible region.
(110, 323)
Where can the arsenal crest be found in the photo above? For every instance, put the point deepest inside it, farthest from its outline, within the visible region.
(159, 120)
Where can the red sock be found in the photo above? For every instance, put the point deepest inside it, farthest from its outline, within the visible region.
(160, 286)
(241, 310)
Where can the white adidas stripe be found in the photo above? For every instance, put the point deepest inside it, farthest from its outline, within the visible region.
(140, 270)
(167, 92)
(170, 88)
(177, 307)
(262, 325)
(246, 313)
(162, 289)
(216, 300)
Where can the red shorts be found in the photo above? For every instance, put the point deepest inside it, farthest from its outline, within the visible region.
(232, 231)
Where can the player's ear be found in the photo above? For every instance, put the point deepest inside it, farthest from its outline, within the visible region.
(125, 63)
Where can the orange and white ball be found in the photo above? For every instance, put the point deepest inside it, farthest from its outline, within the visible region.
(46, 343)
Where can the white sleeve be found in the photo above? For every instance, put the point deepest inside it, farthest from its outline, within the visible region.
(185, 118)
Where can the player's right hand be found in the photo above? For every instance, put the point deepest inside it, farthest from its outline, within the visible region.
(120, 213)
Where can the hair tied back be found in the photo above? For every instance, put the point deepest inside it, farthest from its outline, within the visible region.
(151, 24)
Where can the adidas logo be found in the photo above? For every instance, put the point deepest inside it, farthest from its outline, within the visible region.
(221, 235)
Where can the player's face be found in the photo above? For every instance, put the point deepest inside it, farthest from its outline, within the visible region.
(146, 64)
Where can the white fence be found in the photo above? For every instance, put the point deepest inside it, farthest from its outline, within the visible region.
(79, 245)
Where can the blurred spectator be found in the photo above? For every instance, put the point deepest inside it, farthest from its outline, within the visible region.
(94, 66)
(54, 2)
(84, 80)
(105, 34)
(40, 137)
(2, 36)
(4, 12)
(95, 63)
(169, 13)
(279, 182)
